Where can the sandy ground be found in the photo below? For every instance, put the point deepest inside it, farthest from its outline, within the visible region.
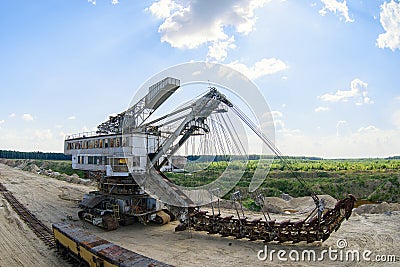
(52, 201)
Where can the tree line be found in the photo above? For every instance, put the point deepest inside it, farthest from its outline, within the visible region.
(10, 154)
(218, 158)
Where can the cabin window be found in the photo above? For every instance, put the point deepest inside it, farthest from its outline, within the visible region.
(101, 143)
(117, 141)
(111, 142)
(90, 160)
(96, 143)
(117, 161)
(125, 141)
(91, 143)
(135, 161)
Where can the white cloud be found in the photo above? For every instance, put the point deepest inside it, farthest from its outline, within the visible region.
(396, 119)
(86, 129)
(276, 114)
(368, 141)
(275, 117)
(358, 92)
(114, 2)
(12, 115)
(42, 134)
(263, 67)
(320, 109)
(27, 117)
(71, 118)
(2, 121)
(342, 128)
(268, 119)
(336, 7)
(390, 21)
(30, 140)
(368, 129)
(219, 50)
(279, 125)
(202, 22)
(289, 132)
(92, 2)
(162, 9)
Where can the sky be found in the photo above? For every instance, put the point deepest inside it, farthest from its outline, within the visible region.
(328, 69)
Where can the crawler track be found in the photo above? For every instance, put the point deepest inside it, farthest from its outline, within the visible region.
(40, 229)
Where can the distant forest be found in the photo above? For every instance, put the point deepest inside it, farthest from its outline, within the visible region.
(218, 158)
(8, 154)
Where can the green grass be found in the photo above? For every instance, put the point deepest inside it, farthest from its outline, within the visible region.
(372, 179)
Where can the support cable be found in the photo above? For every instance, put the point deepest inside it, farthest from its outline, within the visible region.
(274, 149)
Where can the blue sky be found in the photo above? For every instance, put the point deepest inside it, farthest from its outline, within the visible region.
(328, 69)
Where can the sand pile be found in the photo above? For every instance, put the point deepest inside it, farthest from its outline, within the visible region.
(33, 168)
(296, 204)
(284, 204)
(383, 207)
(43, 169)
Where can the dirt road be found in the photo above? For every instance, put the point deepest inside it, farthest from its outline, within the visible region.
(52, 200)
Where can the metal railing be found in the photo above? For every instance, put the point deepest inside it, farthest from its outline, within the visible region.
(84, 135)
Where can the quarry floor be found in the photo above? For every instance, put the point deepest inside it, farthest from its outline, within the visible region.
(52, 200)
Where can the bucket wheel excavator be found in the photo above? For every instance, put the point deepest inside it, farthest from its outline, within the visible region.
(127, 152)
(126, 156)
